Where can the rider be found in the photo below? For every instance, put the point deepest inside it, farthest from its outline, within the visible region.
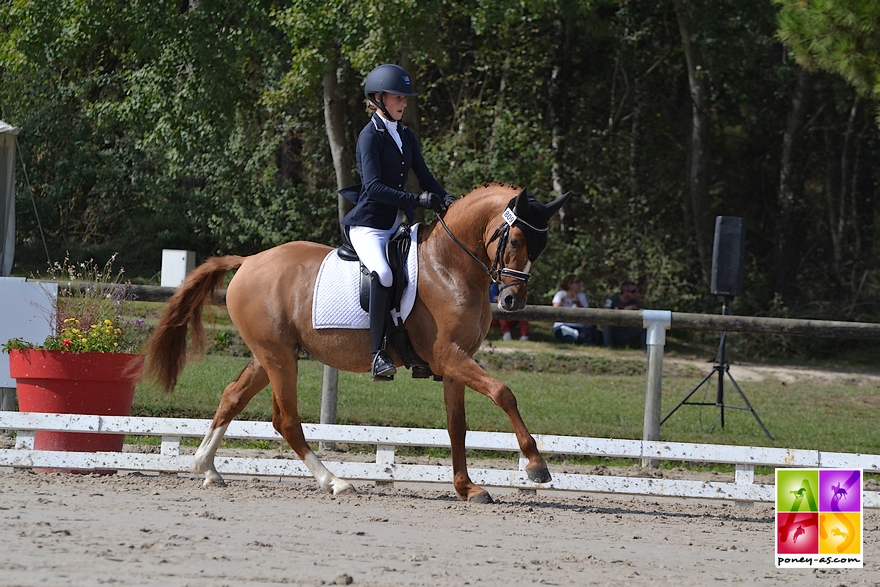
(386, 151)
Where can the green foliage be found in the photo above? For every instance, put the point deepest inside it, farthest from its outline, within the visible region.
(839, 36)
(87, 292)
(98, 338)
(201, 126)
(91, 313)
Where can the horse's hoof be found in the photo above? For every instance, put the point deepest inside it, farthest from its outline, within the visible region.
(539, 475)
(481, 498)
(343, 488)
(215, 481)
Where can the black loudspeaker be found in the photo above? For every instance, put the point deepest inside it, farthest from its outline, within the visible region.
(728, 256)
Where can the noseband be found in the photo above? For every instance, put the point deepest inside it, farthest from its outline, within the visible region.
(498, 270)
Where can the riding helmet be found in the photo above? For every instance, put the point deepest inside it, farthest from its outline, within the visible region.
(389, 78)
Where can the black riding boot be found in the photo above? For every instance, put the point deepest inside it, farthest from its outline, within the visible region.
(382, 368)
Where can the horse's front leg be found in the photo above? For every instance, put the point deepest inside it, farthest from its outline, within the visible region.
(472, 375)
(456, 424)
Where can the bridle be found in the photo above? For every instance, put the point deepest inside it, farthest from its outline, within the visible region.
(502, 233)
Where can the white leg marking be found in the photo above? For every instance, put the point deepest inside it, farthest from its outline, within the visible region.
(203, 462)
(326, 480)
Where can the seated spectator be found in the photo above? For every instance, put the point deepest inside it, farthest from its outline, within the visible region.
(507, 325)
(571, 296)
(624, 336)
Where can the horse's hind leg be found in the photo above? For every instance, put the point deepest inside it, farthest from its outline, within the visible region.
(456, 424)
(236, 396)
(286, 420)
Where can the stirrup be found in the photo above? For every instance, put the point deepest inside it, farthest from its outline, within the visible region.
(383, 368)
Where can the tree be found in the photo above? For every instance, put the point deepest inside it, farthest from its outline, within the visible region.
(229, 128)
(698, 153)
(791, 181)
(837, 36)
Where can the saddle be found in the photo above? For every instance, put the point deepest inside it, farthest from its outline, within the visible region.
(396, 251)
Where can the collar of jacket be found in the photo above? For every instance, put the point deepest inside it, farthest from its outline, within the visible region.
(379, 124)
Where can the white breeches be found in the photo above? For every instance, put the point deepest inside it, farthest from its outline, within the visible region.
(369, 244)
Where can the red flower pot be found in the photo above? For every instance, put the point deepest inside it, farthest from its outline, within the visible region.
(59, 382)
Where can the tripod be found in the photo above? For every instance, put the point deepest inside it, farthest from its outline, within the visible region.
(721, 368)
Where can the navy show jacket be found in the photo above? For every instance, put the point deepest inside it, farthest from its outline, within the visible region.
(384, 170)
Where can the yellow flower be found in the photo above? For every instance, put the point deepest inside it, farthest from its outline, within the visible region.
(108, 322)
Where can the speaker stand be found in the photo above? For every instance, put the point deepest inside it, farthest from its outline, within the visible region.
(721, 369)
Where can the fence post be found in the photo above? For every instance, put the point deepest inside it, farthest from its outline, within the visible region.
(657, 322)
(7, 399)
(329, 393)
(7, 403)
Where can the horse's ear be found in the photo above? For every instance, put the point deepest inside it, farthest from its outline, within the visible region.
(554, 206)
(521, 207)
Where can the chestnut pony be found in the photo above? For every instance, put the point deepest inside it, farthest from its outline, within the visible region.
(486, 234)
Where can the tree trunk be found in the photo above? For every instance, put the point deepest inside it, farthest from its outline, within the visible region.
(499, 108)
(341, 151)
(635, 166)
(698, 154)
(838, 185)
(634, 23)
(847, 186)
(553, 116)
(791, 182)
(412, 118)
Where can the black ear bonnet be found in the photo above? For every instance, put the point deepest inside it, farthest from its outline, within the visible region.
(533, 220)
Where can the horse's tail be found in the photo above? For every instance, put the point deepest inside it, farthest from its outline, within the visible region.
(166, 349)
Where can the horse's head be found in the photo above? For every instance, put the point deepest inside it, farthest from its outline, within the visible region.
(520, 238)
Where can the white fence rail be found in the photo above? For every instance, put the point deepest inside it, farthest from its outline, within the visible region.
(386, 470)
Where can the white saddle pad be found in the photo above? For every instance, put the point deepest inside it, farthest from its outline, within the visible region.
(337, 291)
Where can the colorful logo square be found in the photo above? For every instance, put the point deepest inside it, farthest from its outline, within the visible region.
(840, 490)
(797, 490)
(819, 518)
(797, 533)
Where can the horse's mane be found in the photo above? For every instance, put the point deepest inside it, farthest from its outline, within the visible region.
(487, 189)
(492, 187)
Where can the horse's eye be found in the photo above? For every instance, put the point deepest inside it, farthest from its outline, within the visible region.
(516, 244)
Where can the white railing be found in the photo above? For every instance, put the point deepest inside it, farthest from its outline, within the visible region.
(386, 470)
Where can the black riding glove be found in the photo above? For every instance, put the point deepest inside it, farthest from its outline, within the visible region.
(430, 201)
(448, 200)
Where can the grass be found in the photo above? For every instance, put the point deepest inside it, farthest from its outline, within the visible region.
(606, 401)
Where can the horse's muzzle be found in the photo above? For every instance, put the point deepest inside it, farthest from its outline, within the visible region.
(509, 301)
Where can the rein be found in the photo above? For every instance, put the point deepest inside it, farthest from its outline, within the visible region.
(497, 271)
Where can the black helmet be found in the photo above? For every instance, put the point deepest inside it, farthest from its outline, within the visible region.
(389, 78)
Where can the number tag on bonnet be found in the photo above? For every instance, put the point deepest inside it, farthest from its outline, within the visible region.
(509, 216)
